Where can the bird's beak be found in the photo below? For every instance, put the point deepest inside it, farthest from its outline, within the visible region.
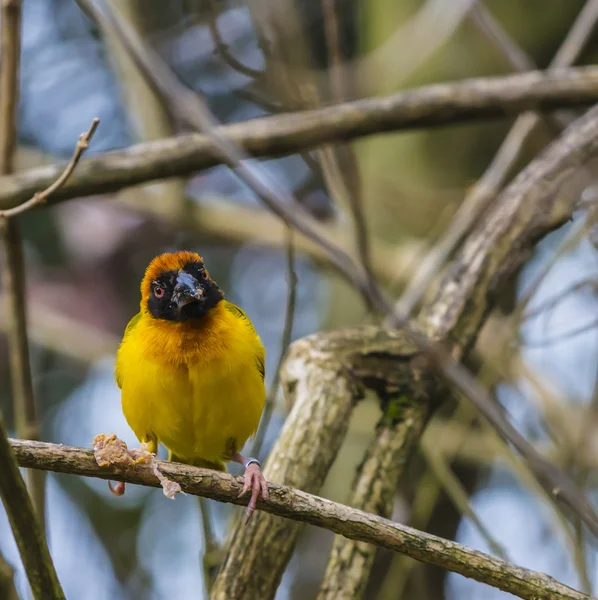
(187, 290)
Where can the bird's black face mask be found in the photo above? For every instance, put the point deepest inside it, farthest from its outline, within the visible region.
(183, 295)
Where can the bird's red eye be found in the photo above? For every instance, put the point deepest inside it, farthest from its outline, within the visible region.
(158, 291)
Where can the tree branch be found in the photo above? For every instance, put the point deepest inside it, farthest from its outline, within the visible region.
(302, 507)
(279, 135)
(374, 490)
(25, 525)
(324, 396)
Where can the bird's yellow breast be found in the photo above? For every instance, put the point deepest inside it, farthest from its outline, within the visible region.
(195, 386)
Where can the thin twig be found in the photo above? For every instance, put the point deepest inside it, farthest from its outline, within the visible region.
(299, 506)
(222, 47)
(550, 303)
(456, 492)
(563, 336)
(496, 174)
(41, 197)
(572, 239)
(287, 336)
(26, 527)
(517, 57)
(349, 178)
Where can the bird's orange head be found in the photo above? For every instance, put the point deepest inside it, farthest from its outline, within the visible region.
(177, 287)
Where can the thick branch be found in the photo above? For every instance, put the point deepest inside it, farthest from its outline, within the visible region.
(303, 507)
(374, 491)
(324, 395)
(366, 358)
(279, 135)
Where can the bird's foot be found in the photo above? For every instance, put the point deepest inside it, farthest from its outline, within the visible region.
(110, 451)
(118, 489)
(256, 482)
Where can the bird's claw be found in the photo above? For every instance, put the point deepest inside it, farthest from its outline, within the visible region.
(256, 482)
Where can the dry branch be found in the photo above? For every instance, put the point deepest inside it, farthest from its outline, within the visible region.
(374, 491)
(324, 395)
(28, 534)
(303, 507)
(279, 135)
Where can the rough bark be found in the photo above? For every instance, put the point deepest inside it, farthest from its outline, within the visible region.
(372, 359)
(374, 491)
(303, 507)
(324, 394)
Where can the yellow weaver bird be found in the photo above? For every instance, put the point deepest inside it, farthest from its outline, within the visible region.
(191, 370)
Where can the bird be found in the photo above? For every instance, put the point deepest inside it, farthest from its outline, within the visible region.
(191, 371)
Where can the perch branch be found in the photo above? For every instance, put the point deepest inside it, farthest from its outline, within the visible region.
(302, 507)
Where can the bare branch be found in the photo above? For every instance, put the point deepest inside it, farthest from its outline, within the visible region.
(530, 207)
(285, 134)
(26, 528)
(299, 506)
(373, 490)
(222, 48)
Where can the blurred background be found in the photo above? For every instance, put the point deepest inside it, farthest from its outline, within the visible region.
(85, 259)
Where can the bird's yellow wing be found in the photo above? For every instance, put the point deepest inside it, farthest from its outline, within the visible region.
(240, 314)
(129, 328)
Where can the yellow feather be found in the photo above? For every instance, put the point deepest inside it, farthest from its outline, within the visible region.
(195, 386)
